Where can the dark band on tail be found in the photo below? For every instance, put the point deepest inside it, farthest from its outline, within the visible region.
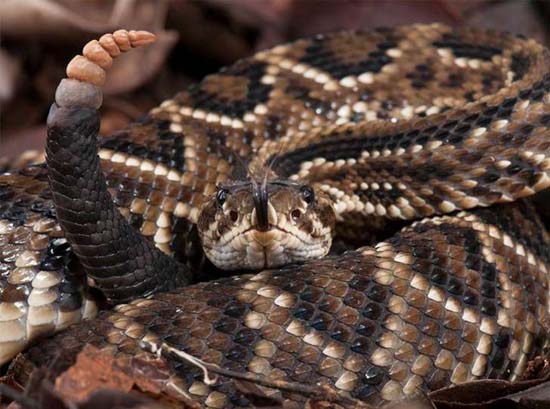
(121, 262)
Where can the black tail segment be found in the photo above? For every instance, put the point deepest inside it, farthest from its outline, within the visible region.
(121, 262)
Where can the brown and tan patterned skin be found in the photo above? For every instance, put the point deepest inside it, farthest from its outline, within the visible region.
(447, 300)
(400, 123)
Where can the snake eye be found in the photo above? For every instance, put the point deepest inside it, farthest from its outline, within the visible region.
(221, 196)
(234, 216)
(307, 194)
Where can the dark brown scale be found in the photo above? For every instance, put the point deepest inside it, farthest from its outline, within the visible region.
(462, 49)
(420, 76)
(320, 54)
(303, 94)
(244, 98)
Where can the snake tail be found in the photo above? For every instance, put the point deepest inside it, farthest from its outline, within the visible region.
(118, 260)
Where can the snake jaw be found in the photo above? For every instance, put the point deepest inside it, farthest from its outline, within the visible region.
(255, 249)
(265, 238)
(294, 230)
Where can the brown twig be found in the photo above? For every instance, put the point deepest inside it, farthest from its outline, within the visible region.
(319, 391)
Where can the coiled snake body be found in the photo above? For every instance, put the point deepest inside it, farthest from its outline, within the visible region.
(422, 123)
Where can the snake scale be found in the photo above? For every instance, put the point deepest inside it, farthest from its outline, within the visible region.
(445, 129)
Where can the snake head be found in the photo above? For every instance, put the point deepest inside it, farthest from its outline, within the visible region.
(253, 226)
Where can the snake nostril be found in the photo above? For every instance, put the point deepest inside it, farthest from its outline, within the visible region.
(296, 214)
(233, 215)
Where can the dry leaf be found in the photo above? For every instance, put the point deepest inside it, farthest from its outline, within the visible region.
(110, 399)
(499, 394)
(93, 370)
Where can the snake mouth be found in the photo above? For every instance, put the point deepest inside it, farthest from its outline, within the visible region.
(256, 249)
(265, 233)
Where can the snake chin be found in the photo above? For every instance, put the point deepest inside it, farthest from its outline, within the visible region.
(293, 223)
(257, 250)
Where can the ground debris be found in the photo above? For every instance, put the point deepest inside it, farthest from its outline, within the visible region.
(532, 392)
(99, 380)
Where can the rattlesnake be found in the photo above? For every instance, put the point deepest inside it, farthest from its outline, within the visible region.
(340, 131)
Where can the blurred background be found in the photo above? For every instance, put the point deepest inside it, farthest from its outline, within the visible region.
(39, 37)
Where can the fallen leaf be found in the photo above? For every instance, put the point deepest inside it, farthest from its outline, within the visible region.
(112, 399)
(93, 370)
(149, 375)
(415, 402)
(499, 394)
